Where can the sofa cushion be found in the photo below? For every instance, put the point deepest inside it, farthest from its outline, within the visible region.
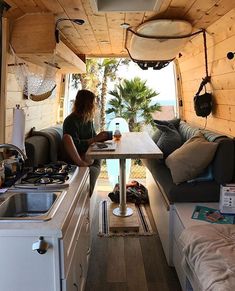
(175, 122)
(223, 162)
(169, 140)
(157, 134)
(37, 151)
(206, 175)
(206, 191)
(191, 159)
(54, 136)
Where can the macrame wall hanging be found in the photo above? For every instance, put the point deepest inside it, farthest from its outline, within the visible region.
(37, 83)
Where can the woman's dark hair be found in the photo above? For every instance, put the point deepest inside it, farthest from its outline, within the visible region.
(84, 105)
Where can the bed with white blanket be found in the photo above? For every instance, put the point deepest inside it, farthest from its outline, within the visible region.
(209, 256)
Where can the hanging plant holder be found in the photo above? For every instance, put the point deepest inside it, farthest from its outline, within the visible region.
(38, 83)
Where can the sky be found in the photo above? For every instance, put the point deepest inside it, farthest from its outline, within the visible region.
(162, 81)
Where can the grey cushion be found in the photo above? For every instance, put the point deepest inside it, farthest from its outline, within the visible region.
(54, 136)
(175, 122)
(170, 139)
(37, 151)
(206, 191)
(191, 159)
(157, 134)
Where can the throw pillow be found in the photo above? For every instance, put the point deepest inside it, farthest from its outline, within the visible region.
(157, 134)
(170, 139)
(175, 122)
(188, 161)
(206, 175)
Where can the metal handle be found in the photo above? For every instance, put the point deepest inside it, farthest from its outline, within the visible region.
(41, 246)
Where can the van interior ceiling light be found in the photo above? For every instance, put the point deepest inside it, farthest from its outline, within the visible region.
(57, 32)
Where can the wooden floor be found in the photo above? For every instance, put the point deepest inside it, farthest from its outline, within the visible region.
(128, 263)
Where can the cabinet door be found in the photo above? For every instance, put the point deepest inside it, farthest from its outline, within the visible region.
(76, 245)
(72, 233)
(73, 280)
(25, 269)
(83, 248)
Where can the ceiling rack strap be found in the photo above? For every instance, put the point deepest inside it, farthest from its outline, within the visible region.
(203, 103)
(207, 77)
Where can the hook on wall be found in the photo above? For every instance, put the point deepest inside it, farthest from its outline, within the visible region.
(230, 55)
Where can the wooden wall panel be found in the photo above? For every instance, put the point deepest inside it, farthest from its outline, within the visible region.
(220, 41)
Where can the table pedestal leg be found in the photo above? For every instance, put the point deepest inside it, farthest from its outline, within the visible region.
(122, 210)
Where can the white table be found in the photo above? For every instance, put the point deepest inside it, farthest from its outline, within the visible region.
(132, 145)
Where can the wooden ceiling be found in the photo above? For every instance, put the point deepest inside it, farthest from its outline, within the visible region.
(101, 34)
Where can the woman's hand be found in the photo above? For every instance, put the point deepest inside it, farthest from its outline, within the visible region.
(102, 136)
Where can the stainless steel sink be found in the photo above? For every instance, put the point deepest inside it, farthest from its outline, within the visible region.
(30, 205)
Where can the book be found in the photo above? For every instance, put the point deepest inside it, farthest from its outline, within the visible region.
(104, 146)
(212, 215)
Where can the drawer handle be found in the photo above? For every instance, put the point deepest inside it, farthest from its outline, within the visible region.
(41, 246)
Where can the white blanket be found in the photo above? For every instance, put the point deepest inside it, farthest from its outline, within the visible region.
(209, 256)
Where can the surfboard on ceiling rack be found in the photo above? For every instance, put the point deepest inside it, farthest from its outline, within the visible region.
(157, 42)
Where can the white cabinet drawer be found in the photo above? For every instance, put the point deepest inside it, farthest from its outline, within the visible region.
(72, 233)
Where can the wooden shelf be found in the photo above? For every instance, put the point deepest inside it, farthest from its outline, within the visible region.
(33, 39)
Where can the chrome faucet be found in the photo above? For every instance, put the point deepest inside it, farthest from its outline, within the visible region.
(12, 146)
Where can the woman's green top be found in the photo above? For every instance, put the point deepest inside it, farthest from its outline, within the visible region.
(80, 131)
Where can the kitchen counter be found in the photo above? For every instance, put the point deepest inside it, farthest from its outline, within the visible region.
(49, 255)
(58, 223)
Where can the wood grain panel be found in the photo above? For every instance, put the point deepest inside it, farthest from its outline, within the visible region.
(219, 9)
(85, 39)
(224, 27)
(134, 265)
(221, 70)
(224, 81)
(224, 97)
(116, 268)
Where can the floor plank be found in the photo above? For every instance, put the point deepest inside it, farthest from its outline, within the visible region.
(136, 279)
(116, 267)
(128, 263)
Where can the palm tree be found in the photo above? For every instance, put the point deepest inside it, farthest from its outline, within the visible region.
(133, 101)
(108, 69)
(98, 73)
(88, 80)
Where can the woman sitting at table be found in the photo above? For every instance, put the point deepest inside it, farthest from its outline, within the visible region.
(79, 134)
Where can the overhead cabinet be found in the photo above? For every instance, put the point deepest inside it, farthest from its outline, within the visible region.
(33, 39)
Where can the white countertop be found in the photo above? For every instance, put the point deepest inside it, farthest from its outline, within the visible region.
(56, 226)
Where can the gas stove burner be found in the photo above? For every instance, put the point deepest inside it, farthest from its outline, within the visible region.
(44, 170)
(45, 180)
(52, 176)
(48, 178)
